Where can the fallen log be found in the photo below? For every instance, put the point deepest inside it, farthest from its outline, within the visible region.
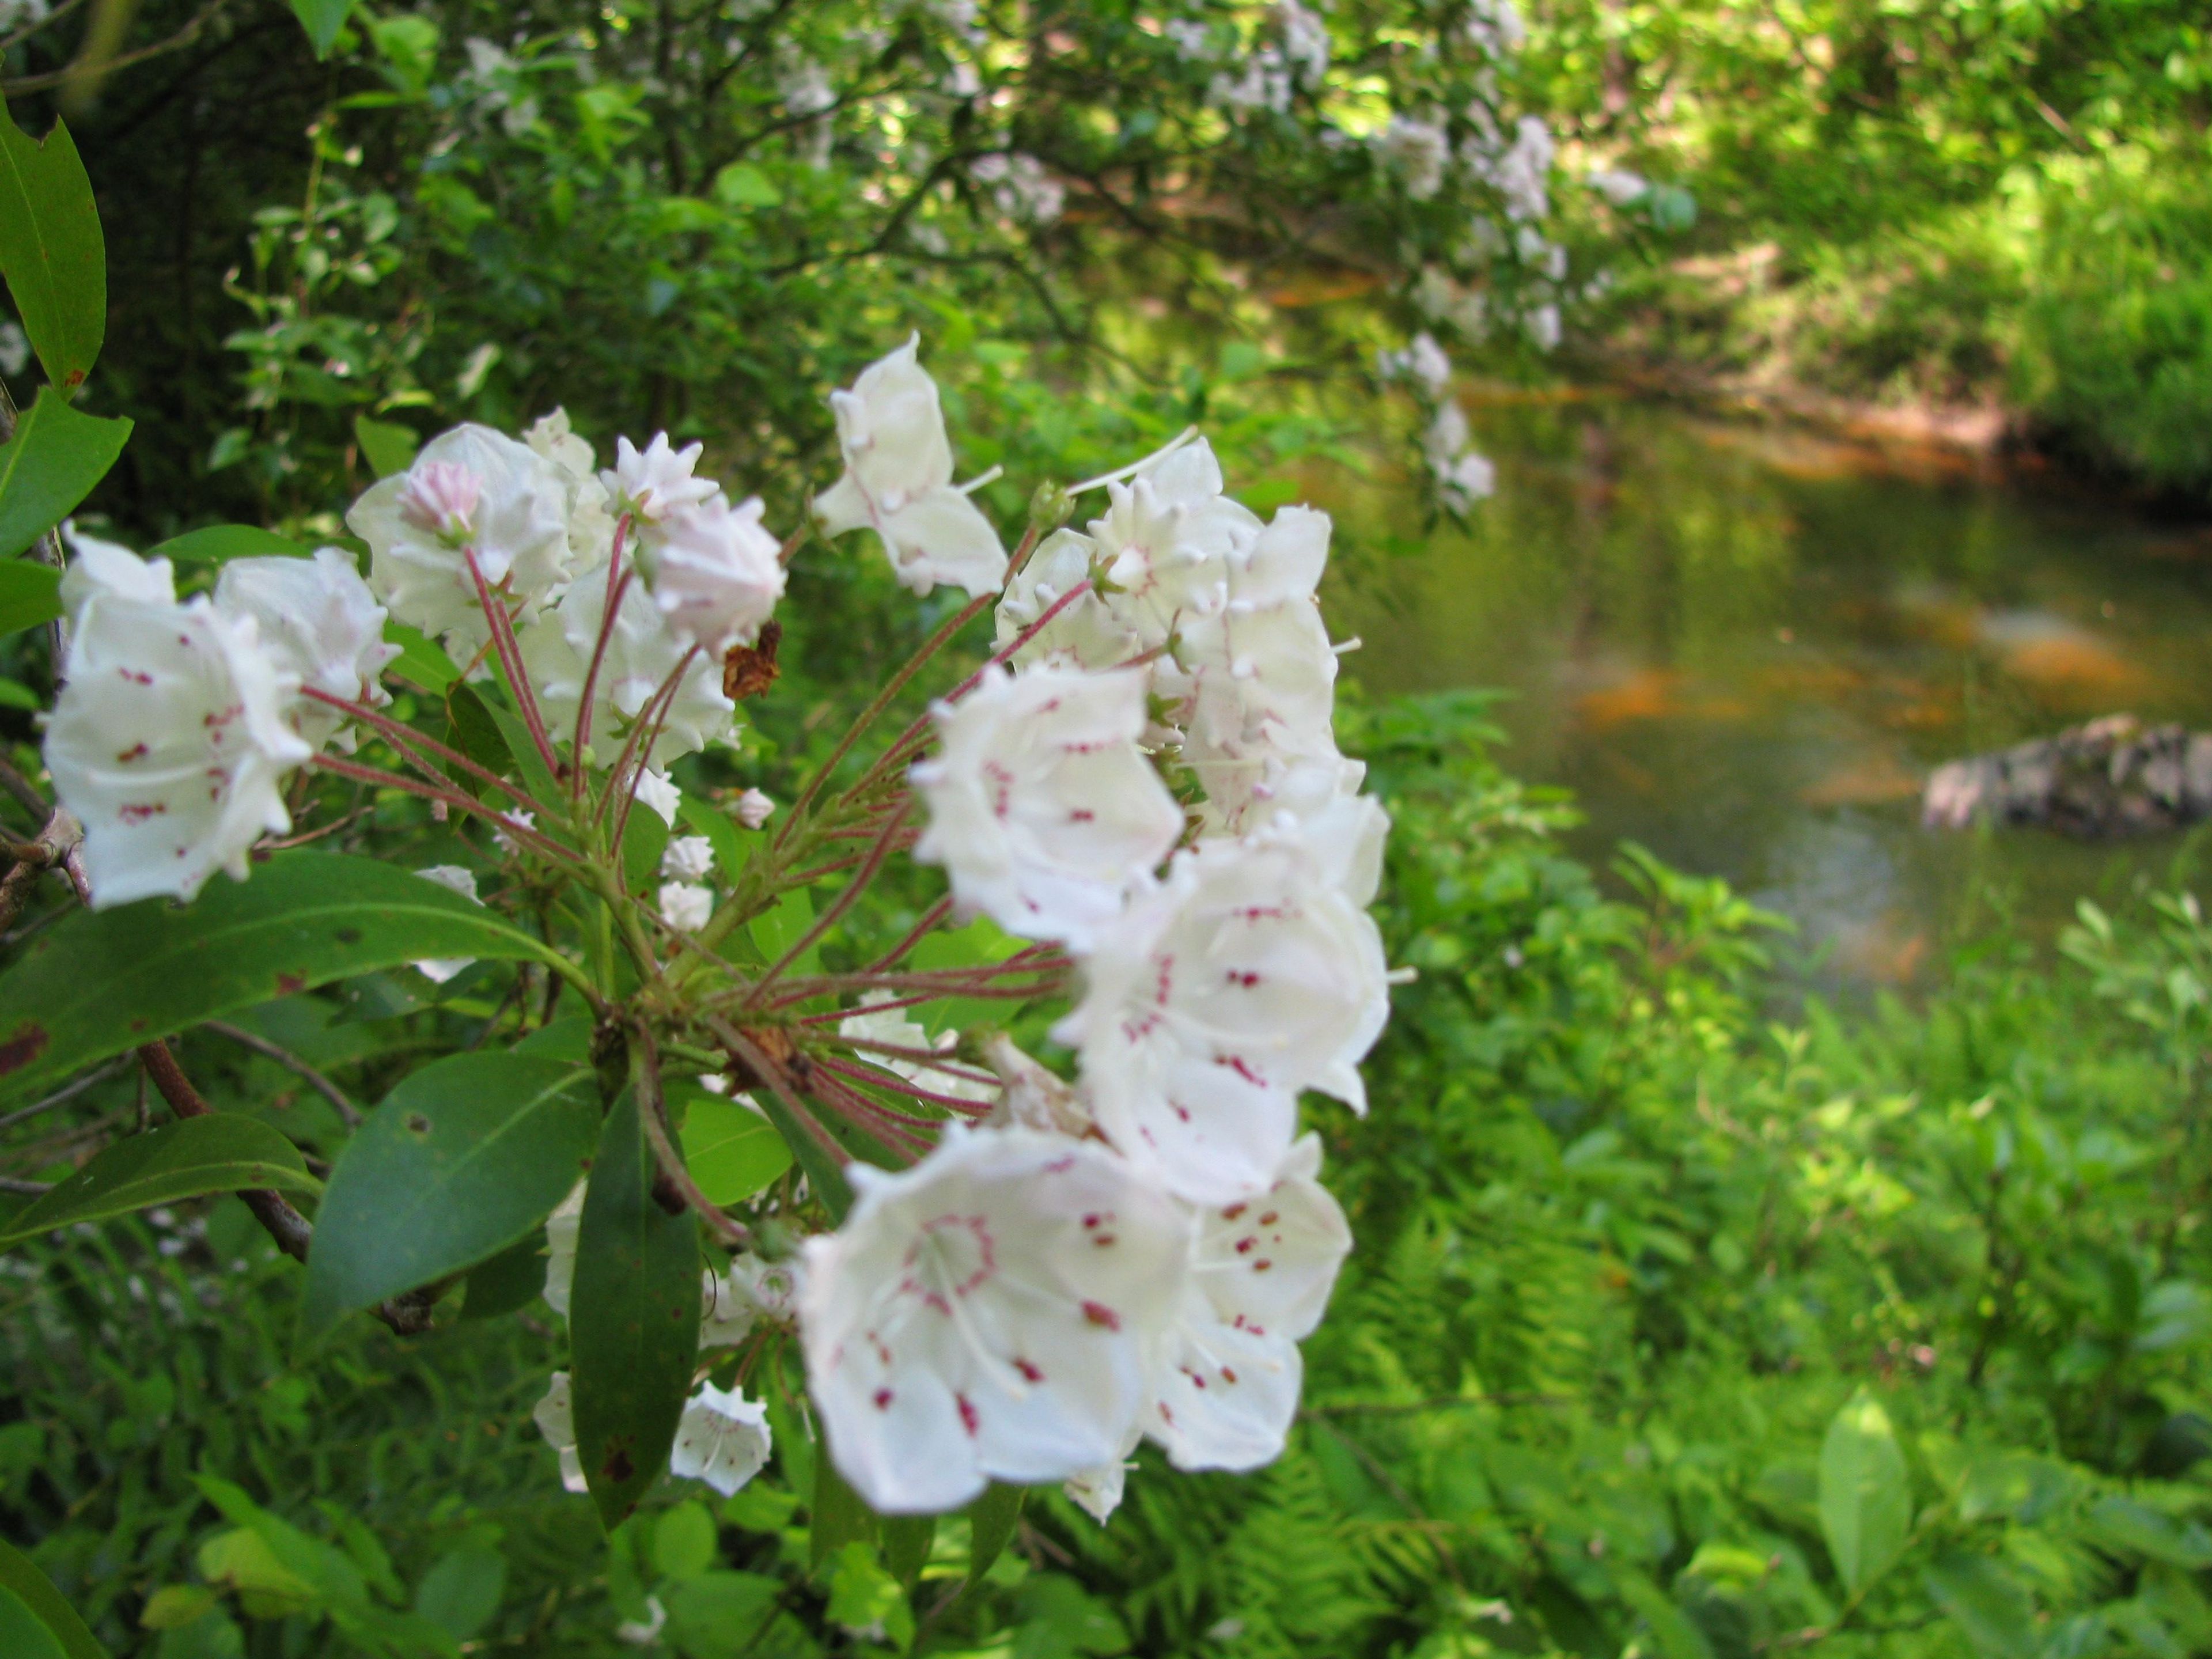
(2104, 780)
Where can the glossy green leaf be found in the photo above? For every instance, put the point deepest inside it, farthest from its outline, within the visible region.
(633, 1322)
(863, 1597)
(322, 19)
(219, 543)
(645, 838)
(465, 1157)
(51, 465)
(1987, 1603)
(719, 1614)
(684, 1544)
(991, 1521)
(52, 252)
(223, 1152)
(738, 186)
(836, 1516)
(461, 1593)
(387, 447)
(422, 661)
(23, 1634)
(101, 981)
(529, 765)
(30, 593)
(20, 1575)
(781, 926)
(471, 729)
(507, 1282)
(732, 1151)
(1866, 1497)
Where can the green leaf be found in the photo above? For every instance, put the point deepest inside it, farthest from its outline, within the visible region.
(51, 465)
(907, 1539)
(2121, 1524)
(20, 1576)
(101, 981)
(422, 661)
(645, 838)
(466, 1156)
(173, 1605)
(386, 446)
(223, 1153)
(529, 765)
(862, 1596)
(781, 926)
(685, 1543)
(507, 1282)
(322, 19)
(30, 593)
(740, 186)
(824, 1173)
(836, 1517)
(473, 731)
(719, 1614)
(52, 252)
(23, 1634)
(634, 1319)
(460, 1595)
(1866, 1499)
(219, 543)
(1986, 1602)
(991, 1521)
(732, 1151)
(980, 942)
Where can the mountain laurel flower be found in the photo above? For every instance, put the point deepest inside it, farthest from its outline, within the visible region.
(898, 481)
(1086, 633)
(556, 1417)
(641, 653)
(992, 1313)
(688, 858)
(1167, 537)
(658, 791)
(1226, 1390)
(754, 809)
(892, 1026)
(1098, 1490)
(1043, 810)
(319, 620)
(472, 488)
(168, 742)
(1243, 979)
(684, 908)
(656, 483)
(561, 1228)
(722, 1438)
(99, 566)
(715, 573)
(1418, 151)
(1031, 1095)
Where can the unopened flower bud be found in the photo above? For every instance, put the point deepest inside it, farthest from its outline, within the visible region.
(441, 498)
(754, 808)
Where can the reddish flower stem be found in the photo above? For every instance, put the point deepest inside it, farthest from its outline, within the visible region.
(619, 581)
(837, 907)
(930, 918)
(877, 1077)
(510, 657)
(405, 738)
(453, 797)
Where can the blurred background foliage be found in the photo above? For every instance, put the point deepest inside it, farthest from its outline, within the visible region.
(1689, 1316)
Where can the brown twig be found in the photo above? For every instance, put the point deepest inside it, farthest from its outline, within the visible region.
(349, 1114)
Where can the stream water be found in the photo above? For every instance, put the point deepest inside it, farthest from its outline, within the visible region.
(1745, 647)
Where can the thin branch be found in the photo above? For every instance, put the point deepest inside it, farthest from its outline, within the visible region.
(67, 1092)
(885, 839)
(618, 580)
(510, 657)
(930, 918)
(348, 1112)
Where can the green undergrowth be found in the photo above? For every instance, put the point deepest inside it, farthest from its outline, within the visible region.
(1672, 1329)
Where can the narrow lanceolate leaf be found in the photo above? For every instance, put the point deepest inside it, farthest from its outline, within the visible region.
(23, 1634)
(219, 543)
(633, 1320)
(224, 1152)
(101, 981)
(51, 465)
(464, 1158)
(30, 593)
(837, 1516)
(991, 1521)
(51, 251)
(20, 1575)
(1866, 1497)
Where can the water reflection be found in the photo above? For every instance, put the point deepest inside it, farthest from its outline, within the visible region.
(1746, 648)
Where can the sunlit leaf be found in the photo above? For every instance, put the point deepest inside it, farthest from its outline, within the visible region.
(732, 1151)
(51, 252)
(21, 1577)
(30, 593)
(322, 19)
(1866, 1499)
(51, 465)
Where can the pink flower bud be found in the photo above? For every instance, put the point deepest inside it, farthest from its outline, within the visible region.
(440, 497)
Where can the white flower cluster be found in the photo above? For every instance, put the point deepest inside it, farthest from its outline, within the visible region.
(1140, 1253)
(178, 722)
(1463, 477)
(1020, 187)
(1267, 76)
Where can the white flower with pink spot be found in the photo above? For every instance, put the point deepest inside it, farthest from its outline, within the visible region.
(898, 481)
(317, 619)
(1245, 978)
(1043, 810)
(1226, 1390)
(722, 1438)
(168, 741)
(993, 1313)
